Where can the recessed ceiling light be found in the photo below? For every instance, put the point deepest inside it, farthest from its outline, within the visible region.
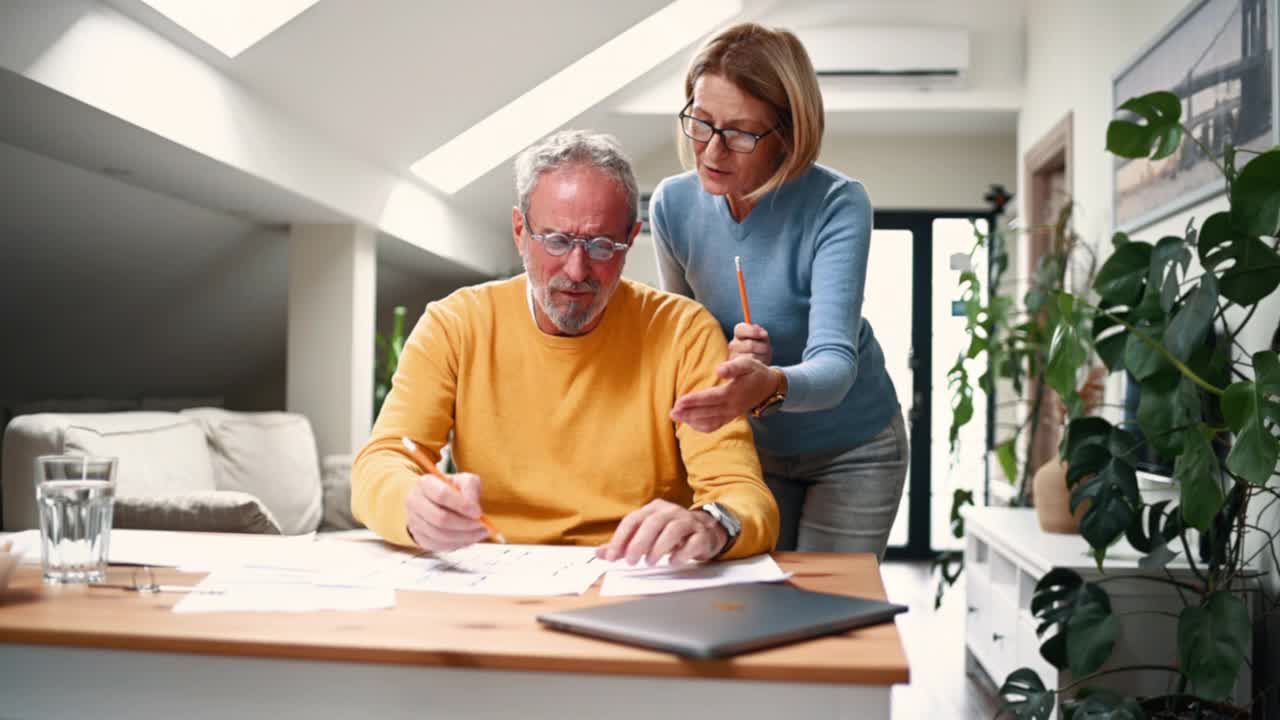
(230, 26)
(572, 91)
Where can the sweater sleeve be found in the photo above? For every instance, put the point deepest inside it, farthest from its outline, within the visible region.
(670, 268)
(420, 407)
(723, 465)
(829, 364)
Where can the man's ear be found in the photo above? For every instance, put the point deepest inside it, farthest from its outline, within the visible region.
(517, 229)
(634, 232)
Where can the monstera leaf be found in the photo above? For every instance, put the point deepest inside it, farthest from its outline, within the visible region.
(1081, 613)
(1212, 640)
(1025, 696)
(1159, 137)
(1252, 410)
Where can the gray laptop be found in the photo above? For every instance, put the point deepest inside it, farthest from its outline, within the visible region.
(723, 621)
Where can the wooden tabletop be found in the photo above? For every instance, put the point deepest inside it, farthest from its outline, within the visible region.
(439, 629)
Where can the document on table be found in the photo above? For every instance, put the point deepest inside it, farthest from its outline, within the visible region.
(275, 590)
(486, 569)
(635, 580)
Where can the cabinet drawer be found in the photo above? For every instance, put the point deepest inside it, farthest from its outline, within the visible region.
(1000, 626)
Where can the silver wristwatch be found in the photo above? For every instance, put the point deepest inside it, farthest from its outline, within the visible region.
(732, 526)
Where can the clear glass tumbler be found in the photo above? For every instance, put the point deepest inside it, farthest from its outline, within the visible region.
(75, 496)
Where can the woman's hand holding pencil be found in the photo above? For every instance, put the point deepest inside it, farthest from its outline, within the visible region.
(444, 511)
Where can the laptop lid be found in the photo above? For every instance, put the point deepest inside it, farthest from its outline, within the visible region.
(723, 621)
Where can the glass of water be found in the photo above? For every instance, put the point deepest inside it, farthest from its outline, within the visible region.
(75, 497)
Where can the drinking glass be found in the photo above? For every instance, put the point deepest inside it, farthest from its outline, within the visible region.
(75, 496)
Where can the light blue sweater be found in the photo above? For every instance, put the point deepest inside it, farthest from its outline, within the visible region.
(804, 256)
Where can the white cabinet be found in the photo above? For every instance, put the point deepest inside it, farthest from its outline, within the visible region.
(1006, 553)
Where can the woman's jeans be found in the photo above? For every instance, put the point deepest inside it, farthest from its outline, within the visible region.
(843, 501)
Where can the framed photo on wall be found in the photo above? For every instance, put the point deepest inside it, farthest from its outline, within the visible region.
(1218, 57)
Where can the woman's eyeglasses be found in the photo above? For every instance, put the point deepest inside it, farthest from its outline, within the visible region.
(739, 141)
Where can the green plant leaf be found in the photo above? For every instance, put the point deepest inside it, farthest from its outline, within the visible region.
(1121, 278)
(1085, 431)
(1081, 613)
(1006, 455)
(1091, 631)
(1102, 704)
(961, 400)
(959, 499)
(1113, 493)
(1251, 411)
(1052, 603)
(1196, 470)
(1159, 137)
(1109, 338)
(1211, 644)
(1254, 270)
(1067, 353)
(1255, 274)
(1025, 696)
(1168, 403)
(1140, 358)
(1160, 528)
(1190, 324)
(1255, 196)
(1168, 254)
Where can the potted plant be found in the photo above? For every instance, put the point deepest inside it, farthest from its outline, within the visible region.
(1207, 406)
(1012, 339)
(387, 356)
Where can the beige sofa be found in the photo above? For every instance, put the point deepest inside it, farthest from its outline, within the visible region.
(197, 469)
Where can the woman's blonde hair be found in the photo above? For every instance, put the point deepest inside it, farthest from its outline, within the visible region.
(771, 65)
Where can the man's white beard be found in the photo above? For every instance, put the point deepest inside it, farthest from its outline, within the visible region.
(572, 319)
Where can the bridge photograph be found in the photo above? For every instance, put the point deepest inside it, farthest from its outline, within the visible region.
(1217, 57)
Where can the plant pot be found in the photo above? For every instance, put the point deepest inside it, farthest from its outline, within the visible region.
(1053, 500)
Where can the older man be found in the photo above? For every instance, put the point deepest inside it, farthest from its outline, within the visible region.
(557, 385)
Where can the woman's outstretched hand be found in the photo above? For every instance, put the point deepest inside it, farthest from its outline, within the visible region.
(749, 383)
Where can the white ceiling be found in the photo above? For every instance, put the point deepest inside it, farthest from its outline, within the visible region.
(387, 81)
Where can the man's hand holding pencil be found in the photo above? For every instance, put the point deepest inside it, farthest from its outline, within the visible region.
(444, 510)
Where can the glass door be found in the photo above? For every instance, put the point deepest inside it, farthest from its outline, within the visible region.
(910, 291)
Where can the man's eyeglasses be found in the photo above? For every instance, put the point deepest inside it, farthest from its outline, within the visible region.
(739, 141)
(558, 244)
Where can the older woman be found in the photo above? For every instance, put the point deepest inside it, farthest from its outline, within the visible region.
(810, 373)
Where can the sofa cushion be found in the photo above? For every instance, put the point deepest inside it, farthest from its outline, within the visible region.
(158, 452)
(335, 479)
(203, 511)
(270, 455)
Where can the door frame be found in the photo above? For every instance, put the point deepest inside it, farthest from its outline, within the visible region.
(920, 416)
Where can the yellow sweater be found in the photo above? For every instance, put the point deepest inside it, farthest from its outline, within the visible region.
(567, 434)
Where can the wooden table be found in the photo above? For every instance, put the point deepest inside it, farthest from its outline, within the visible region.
(67, 651)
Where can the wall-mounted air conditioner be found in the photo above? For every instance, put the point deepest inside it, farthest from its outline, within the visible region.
(912, 55)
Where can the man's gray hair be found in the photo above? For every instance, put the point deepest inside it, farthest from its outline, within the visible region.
(573, 147)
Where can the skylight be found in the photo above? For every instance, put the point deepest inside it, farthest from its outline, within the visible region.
(230, 26)
(572, 91)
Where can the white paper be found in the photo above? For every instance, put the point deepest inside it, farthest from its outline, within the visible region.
(487, 569)
(202, 552)
(25, 544)
(624, 579)
(275, 590)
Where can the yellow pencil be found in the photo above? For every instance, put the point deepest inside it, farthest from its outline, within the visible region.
(425, 463)
(742, 289)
